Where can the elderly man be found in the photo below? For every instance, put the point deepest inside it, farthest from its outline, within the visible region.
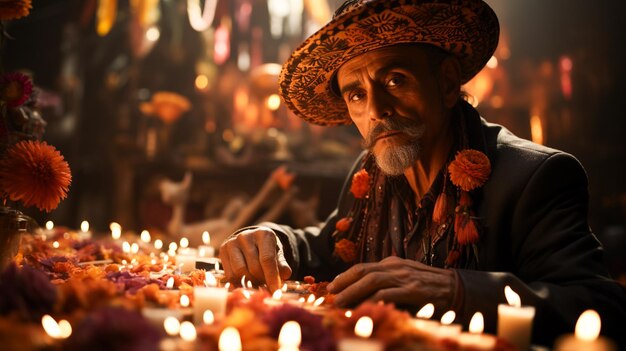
(443, 207)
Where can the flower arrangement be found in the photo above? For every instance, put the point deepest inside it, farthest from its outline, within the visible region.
(14, 9)
(31, 171)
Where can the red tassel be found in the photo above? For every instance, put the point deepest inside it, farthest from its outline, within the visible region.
(441, 207)
(466, 231)
(465, 199)
(453, 256)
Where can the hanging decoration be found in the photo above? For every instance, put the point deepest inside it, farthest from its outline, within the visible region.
(144, 30)
(199, 19)
(105, 16)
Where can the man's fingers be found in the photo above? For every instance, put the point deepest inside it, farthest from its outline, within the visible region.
(269, 263)
(350, 276)
(252, 255)
(237, 264)
(361, 289)
(395, 295)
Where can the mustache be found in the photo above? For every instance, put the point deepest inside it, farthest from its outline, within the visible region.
(409, 127)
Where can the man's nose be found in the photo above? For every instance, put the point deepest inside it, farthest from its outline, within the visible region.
(380, 105)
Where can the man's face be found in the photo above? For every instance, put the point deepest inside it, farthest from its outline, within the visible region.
(395, 101)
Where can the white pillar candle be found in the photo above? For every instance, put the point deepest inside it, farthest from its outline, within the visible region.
(206, 250)
(515, 321)
(586, 337)
(209, 297)
(185, 263)
(157, 316)
(363, 329)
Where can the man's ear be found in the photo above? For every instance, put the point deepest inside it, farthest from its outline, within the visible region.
(450, 76)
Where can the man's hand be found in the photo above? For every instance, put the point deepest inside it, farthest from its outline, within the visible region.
(257, 254)
(396, 280)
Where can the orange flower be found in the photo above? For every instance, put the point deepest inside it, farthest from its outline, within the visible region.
(360, 184)
(470, 169)
(346, 250)
(36, 174)
(166, 105)
(15, 88)
(343, 224)
(14, 9)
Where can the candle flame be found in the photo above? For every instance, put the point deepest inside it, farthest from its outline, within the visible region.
(217, 266)
(588, 326)
(209, 279)
(170, 283)
(116, 230)
(230, 340)
(171, 325)
(145, 236)
(364, 327)
(184, 242)
(84, 226)
(448, 317)
(318, 302)
(49, 225)
(126, 247)
(173, 246)
(310, 299)
(290, 335)
(51, 326)
(277, 294)
(284, 288)
(426, 312)
(206, 238)
(184, 300)
(302, 300)
(348, 314)
(187, 331)
(158, 244)
(512, 297)
(249, 284)
(134, 248)
(246, 294)
(166, 258)
(477, 324)
(208, 317)
(55, 244)
(227, 285)
(243, 281)
(66, 329)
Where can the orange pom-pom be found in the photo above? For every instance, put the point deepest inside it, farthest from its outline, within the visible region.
(360, 184)
(470, 169)
(346, 250)
(343, 224)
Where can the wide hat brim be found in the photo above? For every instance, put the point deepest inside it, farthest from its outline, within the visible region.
(468, 29)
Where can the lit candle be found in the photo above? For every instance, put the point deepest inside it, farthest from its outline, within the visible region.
(171, 325)
(158, 244)
(49, 229)
(475, 339)
(229, 340)
(206, 250)
(289, 337)
(447, 329)
(363, 329)
(515, 321)
(145, 236)
(209, 297)
(423, 322)
(84, 230)
(586, 336)
(60, 330)
(158, 316)
(188, 334)
(116, 230)
(275, 300)
(186, 263)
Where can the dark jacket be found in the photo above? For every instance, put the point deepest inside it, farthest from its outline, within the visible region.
(536, 239)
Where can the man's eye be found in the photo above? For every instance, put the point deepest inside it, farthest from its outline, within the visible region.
(355, 97)
(394, 81)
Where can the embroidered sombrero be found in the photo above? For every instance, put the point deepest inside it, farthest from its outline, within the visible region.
(467, 29)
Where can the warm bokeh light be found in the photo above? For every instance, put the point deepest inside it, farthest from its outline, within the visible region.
(206, 238)
(171, 325)
(153, 34)
(290, 336)
(184, 300)
(448, 317)
(477, 324)
(588, 326)
(49, 225)
(364, 327)
(158, 244)
(145, 236)
(126, 247)
(273, 102)
(170, 283)
(84, 226)
(187, 331)
(536, 129)
(208, 317)
(202, 81)
(229, 340)
(493, 62)
(116, 230)
(348, 314)
(209, 279)
(277, 294)
(184, 243)
(426, 312)
(55, 244)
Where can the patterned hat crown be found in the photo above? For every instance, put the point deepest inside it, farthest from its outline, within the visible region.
(468, 29)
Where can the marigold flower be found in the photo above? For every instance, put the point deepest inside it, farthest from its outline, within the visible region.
(360, 184)
(14, 9)
(346, 250)
(470, 169)
(343, 224)
(36, 174)
(15, 87)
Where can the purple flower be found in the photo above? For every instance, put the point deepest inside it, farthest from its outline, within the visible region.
(113, 329)
(314, 335)
(26, 292)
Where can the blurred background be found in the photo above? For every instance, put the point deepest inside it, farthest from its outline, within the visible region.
(137, 93)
